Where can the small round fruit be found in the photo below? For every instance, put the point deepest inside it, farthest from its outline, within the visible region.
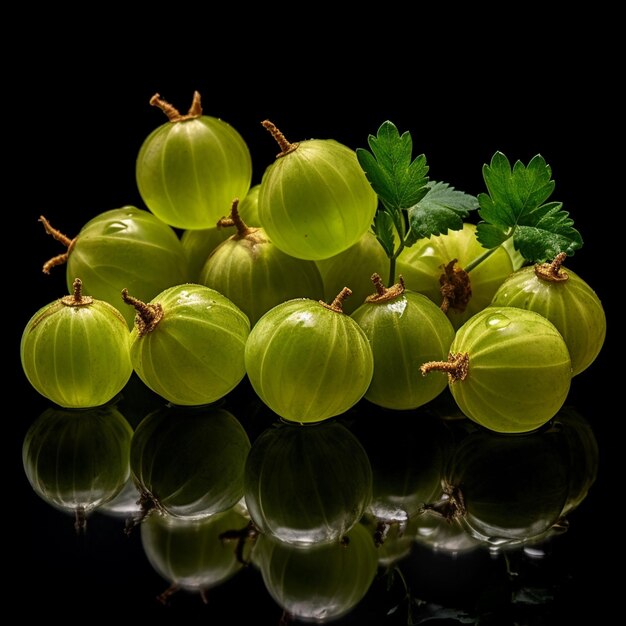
(188, 344)
(405, 329)
(435, 267)
(308, 361)
(78, 460)
(189, 461)
(566, 300)
(254, 274)
(191, 554)
(353, 267)
(75, 351)
(307, 484)
(315, 200)
(319, 582)
(190, 168)
(507, 490)
(198, 244)
(508, 369)
(125, 247)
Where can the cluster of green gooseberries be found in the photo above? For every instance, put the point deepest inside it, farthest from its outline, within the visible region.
(259, 288)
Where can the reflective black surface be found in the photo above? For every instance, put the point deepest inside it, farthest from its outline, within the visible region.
(104, 571)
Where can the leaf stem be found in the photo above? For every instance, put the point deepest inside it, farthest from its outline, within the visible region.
(478, 260)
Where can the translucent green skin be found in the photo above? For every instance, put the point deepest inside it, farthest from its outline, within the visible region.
(572, 306)
(319, 582)
(404, 332)
(407, 456)
(315, 201)
(190, 460)
(307, 484)
(78, 460)
(198, 244)
(580, 449)
(190, 553)
(189, 172)
(308, 363)
(421, 266)
(519, 369)
(77, 356)
(513, 488)
(354, 267)
(195, 355)
(256, 275)
(126, 248)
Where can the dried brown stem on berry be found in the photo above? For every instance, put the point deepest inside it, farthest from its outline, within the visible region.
(552, 272)
(455, 287)
(457, 366)
(384, 294)
(77, 298)
(285, 146)
(148, 315)
(337, 304)
(173, 114)
(59, 259)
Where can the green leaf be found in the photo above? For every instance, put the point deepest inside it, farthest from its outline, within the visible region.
(383, 228)
(515, 205)
(399, 181)
(443, 208)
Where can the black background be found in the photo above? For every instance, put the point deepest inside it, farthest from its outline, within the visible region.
(77, 116)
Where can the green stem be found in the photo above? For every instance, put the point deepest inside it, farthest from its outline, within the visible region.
(478, 260)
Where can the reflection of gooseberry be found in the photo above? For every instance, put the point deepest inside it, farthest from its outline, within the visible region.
(78, 460)
(189, 461)
(190, 554)
(307, 484)
(321, 581)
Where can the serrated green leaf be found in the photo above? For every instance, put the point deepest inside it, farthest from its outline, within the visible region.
(516, 205)
(514, 192)
(444, 195)
(398, 180)
(441, 209)
(491, 235)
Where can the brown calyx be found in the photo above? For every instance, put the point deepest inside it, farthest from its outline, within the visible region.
(77, 298)
(384, 294)
(457, 366)
(451, 507)
(455, 287)
(253, 234)
(552, 272)
(148, 315)
(285, 146)
(173, 114)
(60, 259)
(337, 304)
